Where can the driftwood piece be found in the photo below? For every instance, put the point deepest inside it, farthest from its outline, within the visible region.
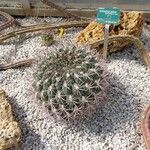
(18, 64)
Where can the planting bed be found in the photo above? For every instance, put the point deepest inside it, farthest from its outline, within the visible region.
(115, 125)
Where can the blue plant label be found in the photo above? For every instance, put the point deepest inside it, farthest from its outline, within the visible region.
(108, 15)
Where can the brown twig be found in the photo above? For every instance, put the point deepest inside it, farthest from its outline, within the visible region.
(43, 27)
(63, 10)
(18, 64)
(145, 55)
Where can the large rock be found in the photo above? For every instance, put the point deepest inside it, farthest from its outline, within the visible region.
(10, 133)
(131, 23)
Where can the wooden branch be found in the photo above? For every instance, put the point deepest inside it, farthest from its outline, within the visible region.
(43, 27)
(63, 10)
(18, 64)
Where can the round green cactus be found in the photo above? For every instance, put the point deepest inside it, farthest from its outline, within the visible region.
(69, 83)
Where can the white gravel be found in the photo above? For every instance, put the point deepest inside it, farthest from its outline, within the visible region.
(115, 126)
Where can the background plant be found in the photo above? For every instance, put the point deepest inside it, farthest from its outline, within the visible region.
(47, 39)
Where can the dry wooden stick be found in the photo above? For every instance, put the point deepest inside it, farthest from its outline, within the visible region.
(18, 64)
(145, 55)
(43, 27)
(63, 10)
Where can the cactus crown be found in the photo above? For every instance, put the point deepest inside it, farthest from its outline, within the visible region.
(68, 82)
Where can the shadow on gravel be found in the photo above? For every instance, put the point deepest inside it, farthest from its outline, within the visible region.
(117, 113)
(129, 52)
(29, 137)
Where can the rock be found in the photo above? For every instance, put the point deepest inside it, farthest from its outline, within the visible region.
(10, 133)
(131, 23)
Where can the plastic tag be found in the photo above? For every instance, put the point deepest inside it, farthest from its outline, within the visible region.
(107, 16)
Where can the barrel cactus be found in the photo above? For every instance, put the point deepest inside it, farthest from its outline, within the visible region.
(71, 83)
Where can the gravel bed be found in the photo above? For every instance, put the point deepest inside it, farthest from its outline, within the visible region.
(115, 125)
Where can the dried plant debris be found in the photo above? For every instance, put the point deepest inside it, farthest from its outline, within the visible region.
(10, 133)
